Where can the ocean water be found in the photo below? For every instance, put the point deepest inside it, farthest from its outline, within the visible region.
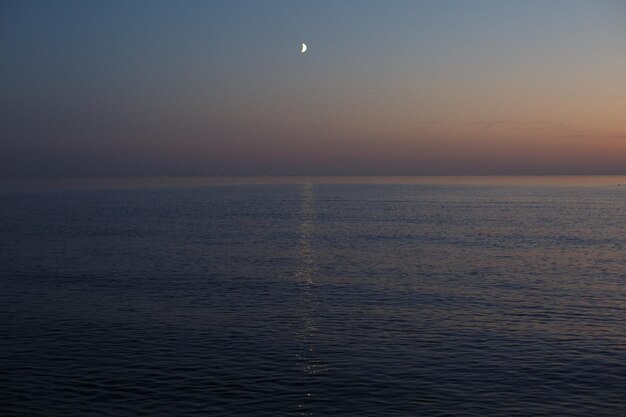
(314, 299)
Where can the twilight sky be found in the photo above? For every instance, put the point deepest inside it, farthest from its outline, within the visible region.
(90, 88)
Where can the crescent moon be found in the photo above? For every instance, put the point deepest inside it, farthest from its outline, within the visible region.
(303, 47)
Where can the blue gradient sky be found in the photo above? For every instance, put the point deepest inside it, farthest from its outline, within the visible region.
(91, 88)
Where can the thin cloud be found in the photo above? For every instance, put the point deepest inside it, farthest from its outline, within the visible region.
(489, 124)
(586, 135)
(574, 136)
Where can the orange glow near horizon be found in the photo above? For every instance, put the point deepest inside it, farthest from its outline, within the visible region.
(410, 88)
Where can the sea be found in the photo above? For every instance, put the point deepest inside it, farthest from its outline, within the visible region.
(313, 296)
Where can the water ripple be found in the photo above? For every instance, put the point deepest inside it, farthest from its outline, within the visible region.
(314, 300)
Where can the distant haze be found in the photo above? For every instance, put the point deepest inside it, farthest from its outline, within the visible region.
(410, 87)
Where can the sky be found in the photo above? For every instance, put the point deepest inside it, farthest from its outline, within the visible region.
(441, 87)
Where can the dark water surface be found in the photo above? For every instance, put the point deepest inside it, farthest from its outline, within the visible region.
(314, 299)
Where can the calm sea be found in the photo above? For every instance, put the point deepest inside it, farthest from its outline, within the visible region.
(313, 297)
